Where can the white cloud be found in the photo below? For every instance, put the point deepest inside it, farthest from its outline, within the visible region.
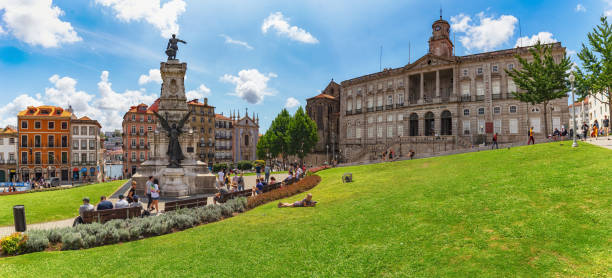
(198, 93)
(571, 52)
(608, 10)
(153, 76)
(163, 17)
(580, 8)
(236, 42)
(488, 34)
(251, 85)
(278, 22)
(292, 102)
(543, 37)
(36, 22)
(107, 108)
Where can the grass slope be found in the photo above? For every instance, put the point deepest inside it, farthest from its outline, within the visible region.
(53, 205)
(533, 211)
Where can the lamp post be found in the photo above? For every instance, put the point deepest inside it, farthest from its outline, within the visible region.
(400, 145)
(326, 154)
(572, 78)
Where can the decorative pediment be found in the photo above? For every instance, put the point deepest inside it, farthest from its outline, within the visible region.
(430, 60)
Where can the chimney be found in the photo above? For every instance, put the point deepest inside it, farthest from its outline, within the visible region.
(205, 101)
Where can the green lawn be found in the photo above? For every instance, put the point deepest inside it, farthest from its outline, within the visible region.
(53, 205)
(534, 211)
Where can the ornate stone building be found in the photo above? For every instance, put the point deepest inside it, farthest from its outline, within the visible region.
(246, 135)
(203, 124)
(324, 110)
(440, 102)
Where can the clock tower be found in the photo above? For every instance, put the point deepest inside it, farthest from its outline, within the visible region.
(440, 43)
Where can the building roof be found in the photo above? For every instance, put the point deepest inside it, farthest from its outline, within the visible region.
(8, 131)
(196, 102)
(585, 101)
(221, 117)
(85, 120)
(149, 109)
(324, 96)
(51, 111)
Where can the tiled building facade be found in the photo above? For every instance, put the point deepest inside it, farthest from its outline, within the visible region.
(137, 123)
(87, 152)
(223, 139)
(8, 154)
(44, 143)
(441, 102)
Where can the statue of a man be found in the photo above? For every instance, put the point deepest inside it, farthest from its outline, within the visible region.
(172, 47)
(175, 153)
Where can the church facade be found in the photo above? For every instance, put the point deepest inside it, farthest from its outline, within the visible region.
(441, 102)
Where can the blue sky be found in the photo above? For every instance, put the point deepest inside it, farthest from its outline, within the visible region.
(257, 54)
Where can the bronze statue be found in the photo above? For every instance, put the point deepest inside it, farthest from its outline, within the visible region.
(175, 153)
(172, 47)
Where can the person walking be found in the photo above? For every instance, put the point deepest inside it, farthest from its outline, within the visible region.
(155, 195)
(148, 191)
(267, 171)
(531, 140)
(258, 170)
(606, 126)
(585, 131)
(240, 182)
(495, 141)
(595, 129)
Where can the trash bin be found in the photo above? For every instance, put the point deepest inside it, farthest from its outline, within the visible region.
(19, 217)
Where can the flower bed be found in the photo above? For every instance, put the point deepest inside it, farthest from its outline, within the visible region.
(317, 169)
(303, 185)
(115, 231)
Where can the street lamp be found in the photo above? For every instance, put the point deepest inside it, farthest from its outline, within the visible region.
(326, 154)
(572, 78)
(400, 145)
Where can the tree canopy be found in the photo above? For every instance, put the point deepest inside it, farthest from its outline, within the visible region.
(541, 79)
(303, 134)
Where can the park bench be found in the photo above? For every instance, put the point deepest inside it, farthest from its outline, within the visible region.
(102, 216)
(270, 187)
(186, 203)
(244, 193)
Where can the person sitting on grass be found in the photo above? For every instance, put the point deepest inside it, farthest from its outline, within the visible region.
(219, 195)
(104, 204)
(122, 203)
(307, 202)
(86, 206)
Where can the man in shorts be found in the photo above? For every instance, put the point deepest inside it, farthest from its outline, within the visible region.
(306, 202)
(606, 125)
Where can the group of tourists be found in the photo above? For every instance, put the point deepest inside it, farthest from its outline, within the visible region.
(595, 129)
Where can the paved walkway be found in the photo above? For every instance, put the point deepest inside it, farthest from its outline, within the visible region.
(7, 230)
(605, 142)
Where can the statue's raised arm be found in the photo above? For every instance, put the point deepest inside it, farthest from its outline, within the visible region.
(183, 120)
(172, 47)
(162, 121)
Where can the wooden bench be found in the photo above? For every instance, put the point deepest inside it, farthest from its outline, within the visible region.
(102, 216)
(270, 187)
(187, 203)
(244, 193)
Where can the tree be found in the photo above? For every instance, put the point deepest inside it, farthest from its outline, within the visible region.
(263, 147)
(278, 136)
(541, 80)
(303, 134)
(595, 77)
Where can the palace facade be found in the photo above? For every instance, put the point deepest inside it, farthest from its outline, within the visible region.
(440, 102)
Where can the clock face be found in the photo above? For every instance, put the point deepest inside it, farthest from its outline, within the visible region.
(438, 28)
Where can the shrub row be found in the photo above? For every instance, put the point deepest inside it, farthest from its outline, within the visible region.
(114, 231)
(303, 185)
(317, 169)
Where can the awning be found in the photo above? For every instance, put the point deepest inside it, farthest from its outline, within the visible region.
(75, 170)
(84, 170)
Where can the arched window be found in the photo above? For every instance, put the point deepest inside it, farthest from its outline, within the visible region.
(246, 139)
(446, 123)
(414, 124)
(429, 124)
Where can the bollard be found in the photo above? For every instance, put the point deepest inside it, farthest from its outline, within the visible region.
(19, 218)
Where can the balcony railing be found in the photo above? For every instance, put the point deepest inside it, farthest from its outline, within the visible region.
(479, 97)
(370, 109)
(349, 112)
(389, 107)
(11, 161)
(133, 159)
(358, 111)
(398, 105)
(466, 98)
(496, 96)
(379, 108)
(142, 159)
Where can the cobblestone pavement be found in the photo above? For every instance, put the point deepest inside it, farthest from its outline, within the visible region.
(7, 230)
(605, 142)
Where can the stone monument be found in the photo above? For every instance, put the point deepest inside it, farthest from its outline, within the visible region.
(173, 160)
